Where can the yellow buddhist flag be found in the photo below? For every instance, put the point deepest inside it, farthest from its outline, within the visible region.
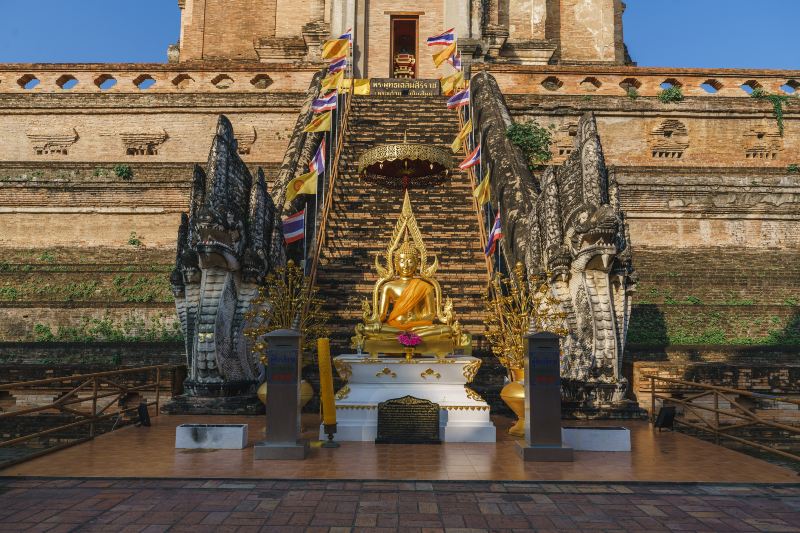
(321, 123)
(451, 83)
(335, 48)
(361, 87)
(456, 146)
(442, 56)
(483, 192)
(305, 184)
(332, 81)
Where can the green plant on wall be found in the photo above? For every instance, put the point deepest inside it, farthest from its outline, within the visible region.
(134, 240)
(794, 168)
(106, 329)
(777, 101)
(672, 94)
(124, 171)
(47, 256)
(142, 289)
(534, 141)
(8, 294)
(632, 93)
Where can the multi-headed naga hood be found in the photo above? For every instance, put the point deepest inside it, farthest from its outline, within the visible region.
(231, 239)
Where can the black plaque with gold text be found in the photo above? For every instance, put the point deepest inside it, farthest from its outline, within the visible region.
(408, 420)
(403, 86)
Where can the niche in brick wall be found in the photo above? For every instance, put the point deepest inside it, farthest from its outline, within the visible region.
(630, 83)
(590, 84)
(222, 81)
(28, 82)
(552, 83)
(763, 142)
(245, 137)
(791, 87)
(52, 142)
(182, 81)
(261, 81)
(7, 400)
(143, 143)
(751, 85)
(669, 140)
(565, 139)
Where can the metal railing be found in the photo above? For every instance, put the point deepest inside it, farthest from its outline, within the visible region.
(82, 389)
(738, 416)
(334, 174)
(474, 182)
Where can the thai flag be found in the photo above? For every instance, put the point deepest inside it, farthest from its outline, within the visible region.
(455, 61)
(472, 159)
(340, 63)
(460, 99)
(446, 38)
(494, 236)
(326, 103)
(318, 163)
(348, 35)
(294, 227)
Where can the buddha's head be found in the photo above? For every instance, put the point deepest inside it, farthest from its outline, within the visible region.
(406, 260)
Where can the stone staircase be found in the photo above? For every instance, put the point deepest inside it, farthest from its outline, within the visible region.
(363, 215)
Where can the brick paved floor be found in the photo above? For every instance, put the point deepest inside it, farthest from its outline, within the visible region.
(61, 504)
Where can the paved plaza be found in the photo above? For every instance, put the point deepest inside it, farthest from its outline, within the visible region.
(150, 453)
(196, 506)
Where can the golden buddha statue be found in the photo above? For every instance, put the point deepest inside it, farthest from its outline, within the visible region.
(407, 298)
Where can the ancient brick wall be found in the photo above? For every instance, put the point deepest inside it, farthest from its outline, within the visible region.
(225, 29)
(93, 180)
(714, 213)
(431, 22)
(711, 170)
(697, 295)
(588, 30)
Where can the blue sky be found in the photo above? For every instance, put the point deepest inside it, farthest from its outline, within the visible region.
(673, 33)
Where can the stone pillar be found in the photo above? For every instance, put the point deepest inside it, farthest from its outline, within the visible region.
(495, 35)
(494, 13)
(543, 401)
(361, 35)
(317, 10)
(284, 358)
(316, 31)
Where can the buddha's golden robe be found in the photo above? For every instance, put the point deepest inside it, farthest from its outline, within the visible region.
(412, 297)
(414, 309)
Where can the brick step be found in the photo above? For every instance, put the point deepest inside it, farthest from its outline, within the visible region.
(363, 216)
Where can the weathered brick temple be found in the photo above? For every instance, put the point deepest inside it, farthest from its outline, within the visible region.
(96, 167)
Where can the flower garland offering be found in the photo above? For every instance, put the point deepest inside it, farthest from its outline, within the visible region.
(409, 339)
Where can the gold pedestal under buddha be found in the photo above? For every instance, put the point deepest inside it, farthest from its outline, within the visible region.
(407, 298)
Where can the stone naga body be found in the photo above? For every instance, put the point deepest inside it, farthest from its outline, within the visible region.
(568, 223)
(229, 241)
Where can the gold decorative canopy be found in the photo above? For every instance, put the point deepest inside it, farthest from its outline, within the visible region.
(405, 165)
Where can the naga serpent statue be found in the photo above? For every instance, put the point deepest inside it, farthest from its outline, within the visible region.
(230, 240)
(567, 223)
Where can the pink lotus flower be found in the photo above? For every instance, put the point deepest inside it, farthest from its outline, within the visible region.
(409, 339)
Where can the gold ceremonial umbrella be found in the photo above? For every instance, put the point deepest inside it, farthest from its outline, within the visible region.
(405, 165)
